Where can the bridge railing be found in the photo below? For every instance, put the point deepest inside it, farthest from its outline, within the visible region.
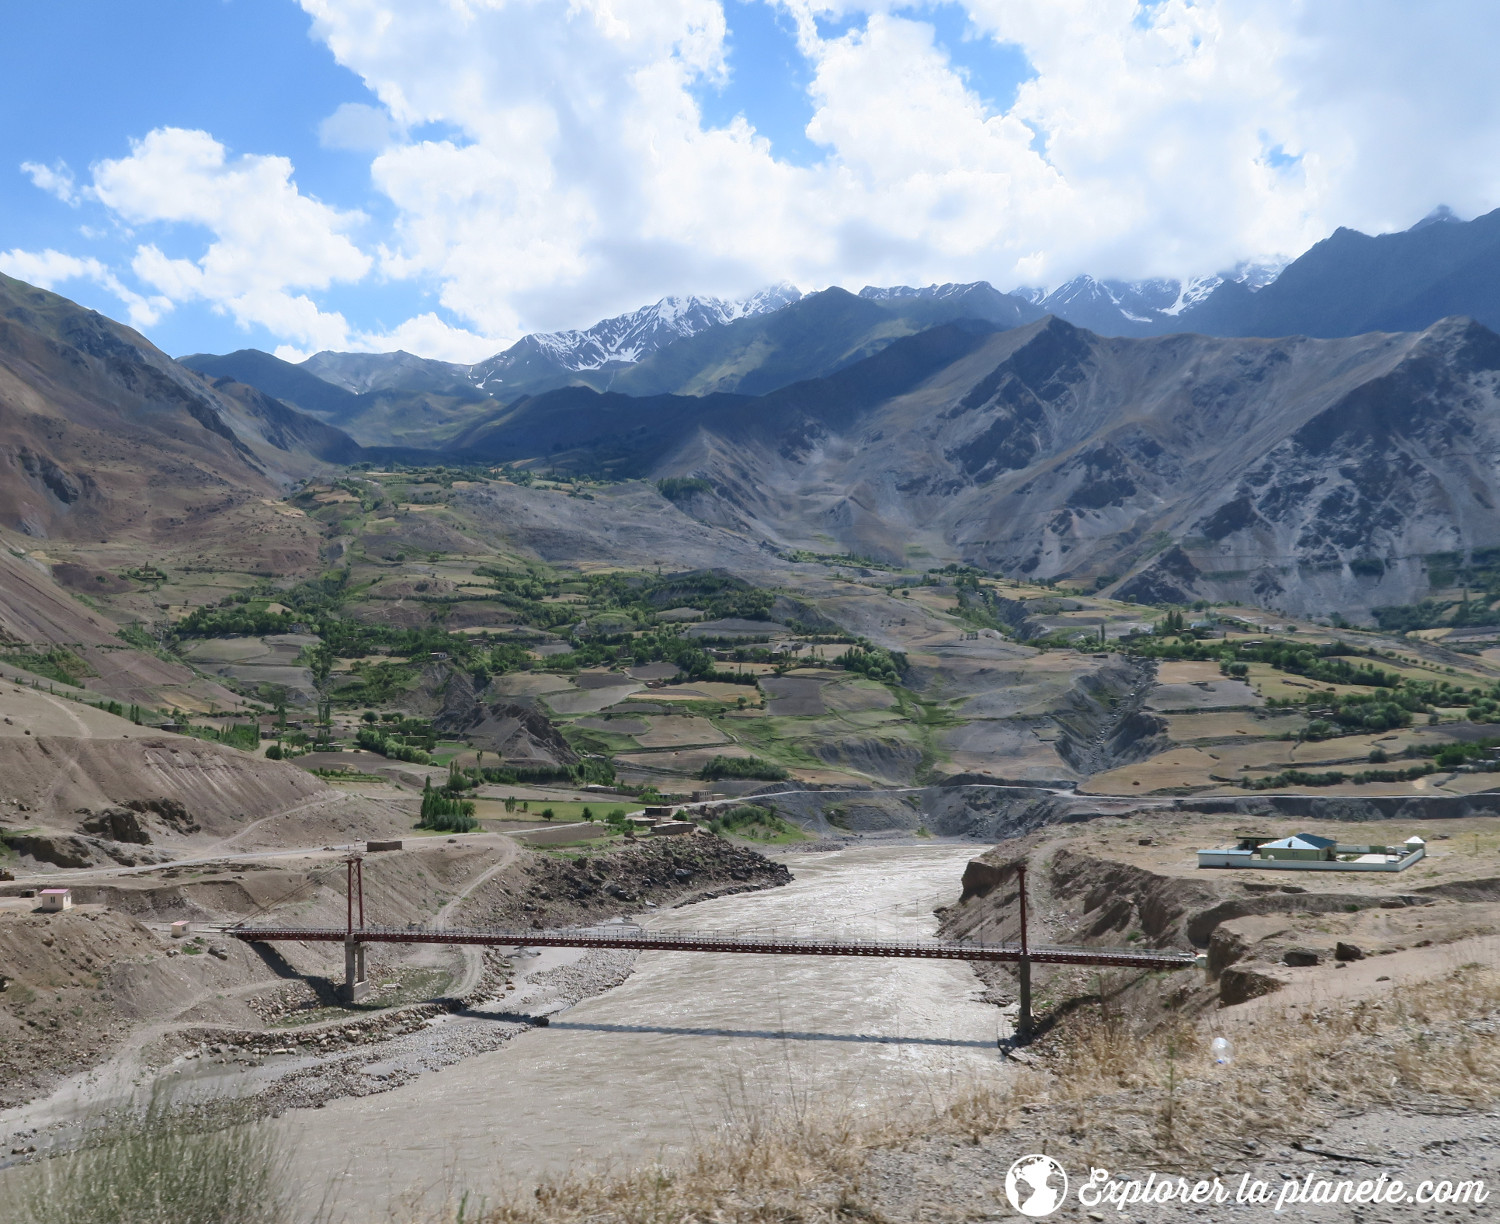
(634, 937)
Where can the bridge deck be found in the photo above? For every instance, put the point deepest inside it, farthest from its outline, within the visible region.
(708, 941)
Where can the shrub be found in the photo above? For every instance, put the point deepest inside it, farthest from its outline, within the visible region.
(755, 824)
(389, 746)
(168, 1166)
(679, 488)
(742, 767)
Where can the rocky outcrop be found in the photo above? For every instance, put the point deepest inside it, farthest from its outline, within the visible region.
(517, 733)
(170, 812)
(1242, 983)
(76, 850)
(116, 824)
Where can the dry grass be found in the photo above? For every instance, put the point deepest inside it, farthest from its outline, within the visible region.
(1157, 1090)
(1125, 1086)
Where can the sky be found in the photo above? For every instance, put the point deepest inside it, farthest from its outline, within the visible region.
(443, 176)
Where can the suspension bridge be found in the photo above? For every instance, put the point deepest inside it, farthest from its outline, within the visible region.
(356, 933)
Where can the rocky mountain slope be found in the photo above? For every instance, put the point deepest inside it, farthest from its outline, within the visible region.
(1301, 474)
(1352, 283)
(115, 463)
(92, 416)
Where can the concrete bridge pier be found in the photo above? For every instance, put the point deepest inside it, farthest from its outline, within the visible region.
(356, 984)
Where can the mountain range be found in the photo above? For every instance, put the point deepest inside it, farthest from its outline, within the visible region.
(1346, 285)
(1303, 472)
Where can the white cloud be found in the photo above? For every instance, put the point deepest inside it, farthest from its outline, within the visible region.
(55, 180)
(48, 269)
(573, 175)
(357, 128)
(425, 335)
(584, 180)
(268, 239)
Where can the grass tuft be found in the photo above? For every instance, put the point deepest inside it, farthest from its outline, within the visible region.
(166, 1165)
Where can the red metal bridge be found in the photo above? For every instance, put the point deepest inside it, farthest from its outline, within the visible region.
(618, 936)
(354, 935)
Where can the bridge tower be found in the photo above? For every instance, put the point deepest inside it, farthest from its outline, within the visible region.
(356, 983)
(1023, 966)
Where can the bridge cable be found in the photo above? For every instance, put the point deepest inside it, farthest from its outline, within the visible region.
(306, 884)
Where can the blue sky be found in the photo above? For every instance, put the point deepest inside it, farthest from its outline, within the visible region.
(444, 175)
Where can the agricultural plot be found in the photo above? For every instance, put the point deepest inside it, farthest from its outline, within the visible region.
(1189, 685)
(856, 696)
(679, 732)
(274, 659)
(615, 724)
(793, 696)
(531, 684)
(1227, 724)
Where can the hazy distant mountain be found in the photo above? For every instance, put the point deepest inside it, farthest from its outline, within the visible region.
(362, 373)
(943, 303)
(1347, 285)
(278, 378)
(411, 404)
(810, 338)
(1138, 308)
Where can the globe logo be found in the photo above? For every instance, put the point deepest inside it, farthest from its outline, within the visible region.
(1036, 1186)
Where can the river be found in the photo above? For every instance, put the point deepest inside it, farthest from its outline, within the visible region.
(688, 1043)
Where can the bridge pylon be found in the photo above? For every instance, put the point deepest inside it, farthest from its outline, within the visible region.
(1023, 965)
(356, 981)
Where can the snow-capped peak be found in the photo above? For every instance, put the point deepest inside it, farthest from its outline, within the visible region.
(627, 338)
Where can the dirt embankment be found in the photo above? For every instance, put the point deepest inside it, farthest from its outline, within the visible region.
(221, 787)
(79, 983)
(68, 993)
(542, 890)
(1259, 935)
(986, 810)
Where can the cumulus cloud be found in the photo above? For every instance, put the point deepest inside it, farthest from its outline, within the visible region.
(55, 180)
(48, 269)
(268, 239)
(544, 163)
(1165, 138)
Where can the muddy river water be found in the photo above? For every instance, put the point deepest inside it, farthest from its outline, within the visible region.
(689, 1043)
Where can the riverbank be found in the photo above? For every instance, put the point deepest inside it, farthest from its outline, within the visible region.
(687, 1047)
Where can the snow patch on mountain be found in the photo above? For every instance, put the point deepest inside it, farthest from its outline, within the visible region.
(627, 338)
(900, 293)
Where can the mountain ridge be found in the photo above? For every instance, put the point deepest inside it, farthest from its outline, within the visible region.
(1298, 473)
(1347, 284)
